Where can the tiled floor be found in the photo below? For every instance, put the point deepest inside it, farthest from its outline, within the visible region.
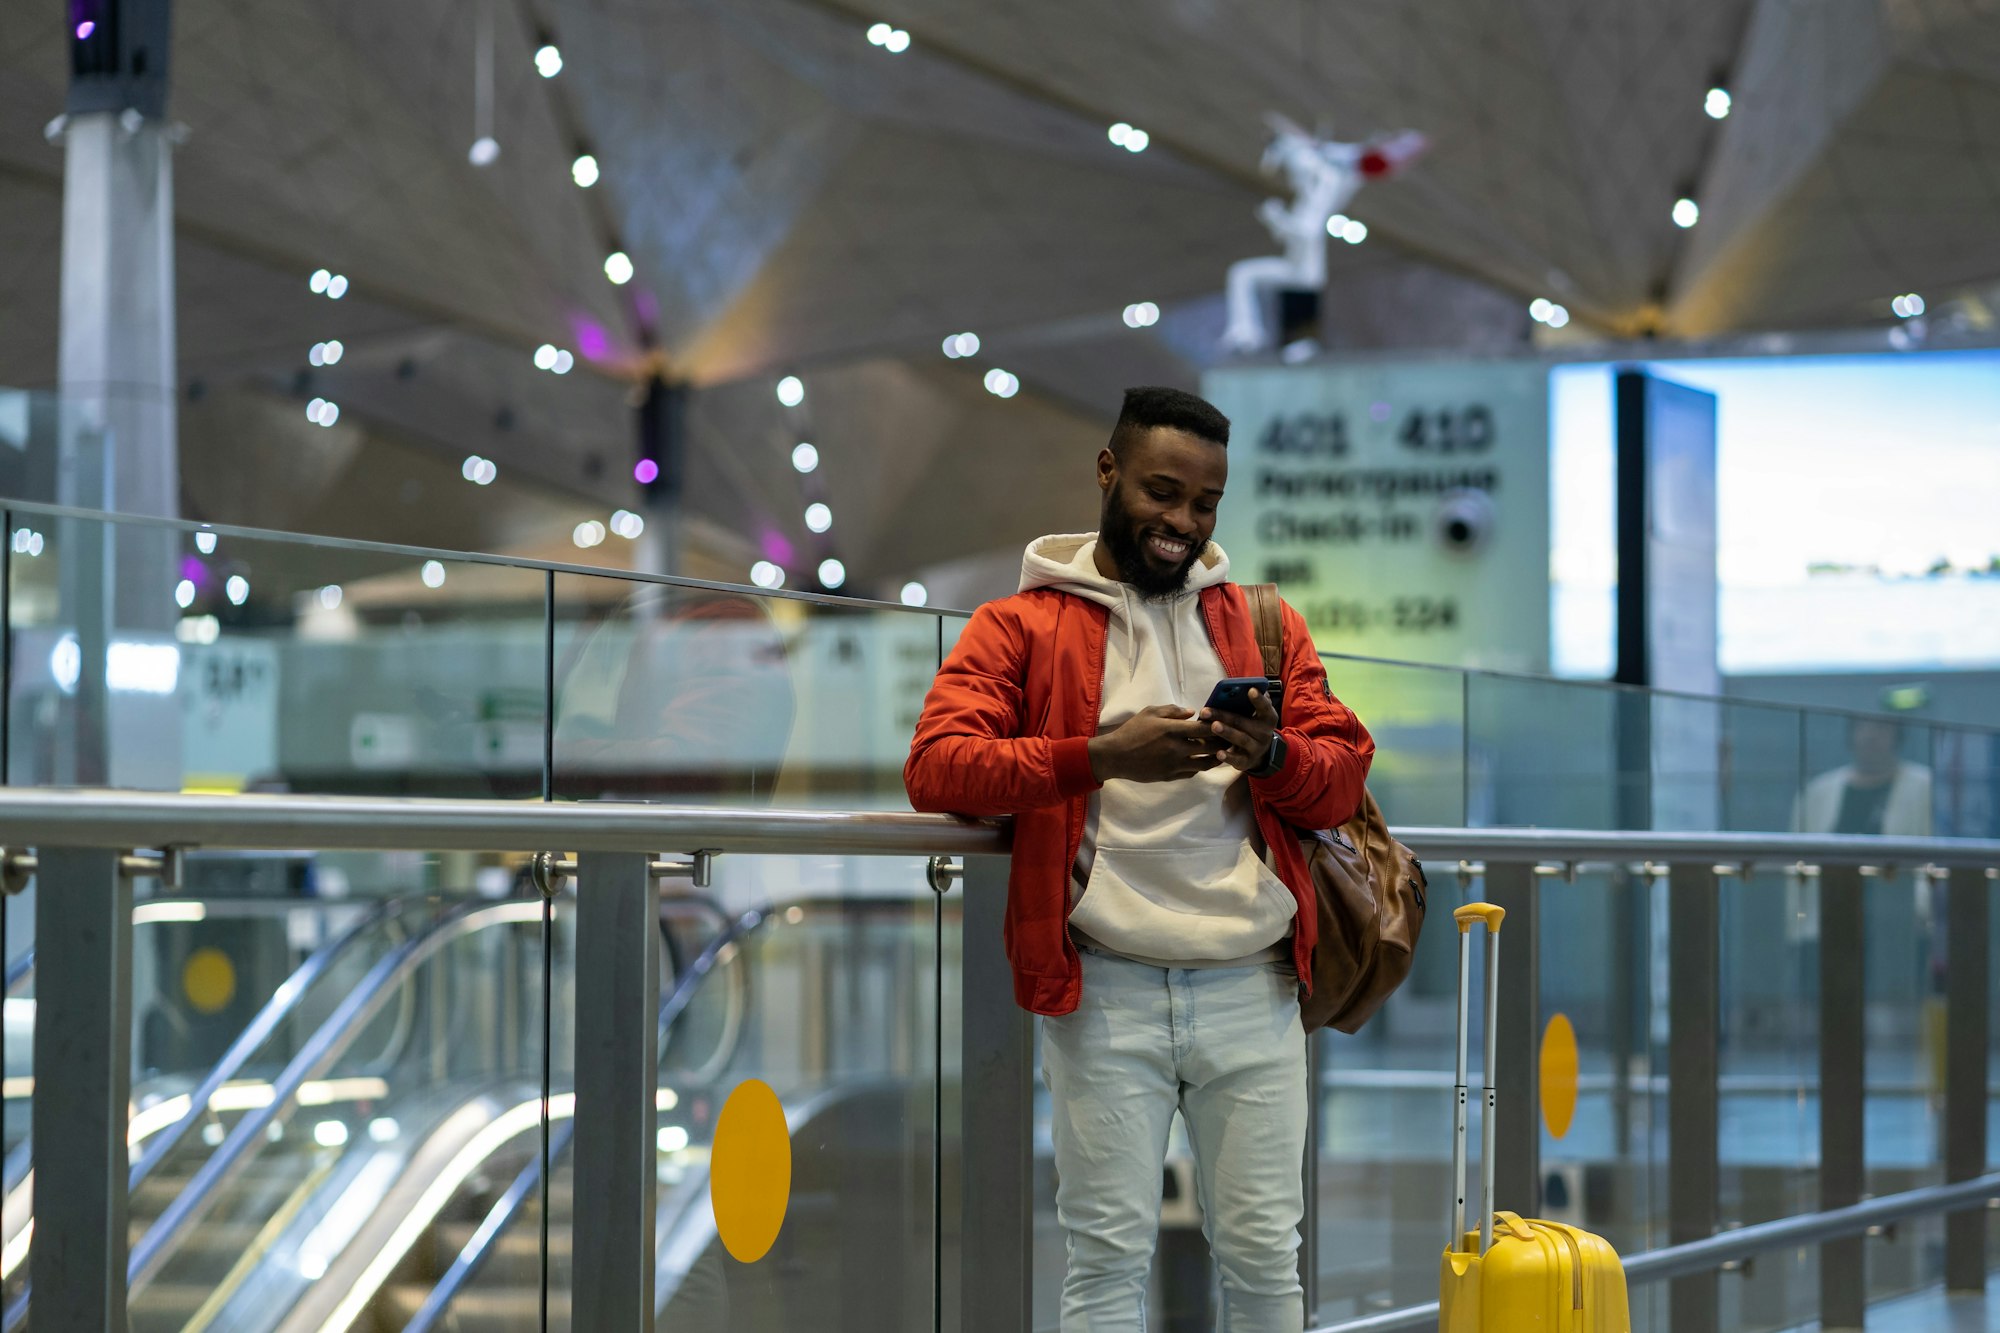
(1933, 1312)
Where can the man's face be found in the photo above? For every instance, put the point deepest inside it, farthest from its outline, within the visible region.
(1159, 507)
(1874, 745)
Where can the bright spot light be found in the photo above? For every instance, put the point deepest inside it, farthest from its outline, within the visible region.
(1119, 133)
(329, 412)
(896, 42)
(1910, 305)
(484, 474)
(548, 62)
(1336, 226)
(313, 409)
(27, 541)
(184, 594)
(673, 1138)
(205, 542)
(584, 170)
(319, 280)
(1141, 314)
(818, 517)
(627, 524)
(237, 589)
(332, 351)
(645, 472)
(878, 33)
(470, 467)
(1558, 317)
(915, 594)
(330, 1133)
(66, 663)
(198, 629)
(336, 287)
(85, 28)
(1686, 212)
(564, 361)
(1001, 384)
(791, 391)
(318, 354)
(329, 597)
(312, 1267)
(1539, 308)
(212, 1134)
(433, 574)
(142, 668)
(804, 457)
(1718, 103)
(1355, 232)
(545, 357)
(767, 575)
(485, 151)
(588, 533)
(832, 573)
(618, 267)
(1136, 141)
(382, 1129)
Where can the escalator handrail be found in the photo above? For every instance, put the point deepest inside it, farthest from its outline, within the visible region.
(279, 1007)
(321, 1049)
(480, 1247)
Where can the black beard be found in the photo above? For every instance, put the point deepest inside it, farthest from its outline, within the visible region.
(1121, 537)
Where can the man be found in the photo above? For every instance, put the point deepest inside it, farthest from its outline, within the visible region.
(1879, 792)
(1159, 910)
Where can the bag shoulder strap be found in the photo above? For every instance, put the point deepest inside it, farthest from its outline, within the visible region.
(1267, 615)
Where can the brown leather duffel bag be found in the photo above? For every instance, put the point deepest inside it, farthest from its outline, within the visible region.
(1370, 888)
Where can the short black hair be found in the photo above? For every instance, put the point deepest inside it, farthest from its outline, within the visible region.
(1150, 407)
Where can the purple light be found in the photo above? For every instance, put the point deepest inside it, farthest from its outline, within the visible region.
(776, 549)
(591, 340)
(85, 28)
(193, 570)
(647, 472)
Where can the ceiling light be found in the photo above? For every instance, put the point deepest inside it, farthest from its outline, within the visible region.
(470, 466)
(318, 354)
(878, 33)
(645, 472)
(832, 573)
(485, 151)
(1119, 133)
(324, 411)
(433, 574)
(486, 472)
(915, 594)
(818, 517)
(336, 286)
(332, 351)
(1558, 316)
(1686, 212)
(791, 391)
(627, 524)
(767, 575)
(237, 589)
(1001, 384)
(804, 457)
(618, 267)
(205, 542)
(1355, 232)
(1141, 314)
(330, 1133)
(184, 594)
(85, 28)
(319, 280)
(588, 534)
(896, 42)
(330, 597)
(1718, 103)
(1539, 308)
(1136, 141)
(548, 61)
(545, 357)
(1908, 306)
(383, 1129)
(584, 170)
(1336, 226)
(564, 361)
(27, 541)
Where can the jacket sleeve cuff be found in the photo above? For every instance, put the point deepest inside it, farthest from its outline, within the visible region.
(1070, 760)
(1282, 783)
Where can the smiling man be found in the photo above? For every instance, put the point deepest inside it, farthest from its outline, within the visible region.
(1160, 912)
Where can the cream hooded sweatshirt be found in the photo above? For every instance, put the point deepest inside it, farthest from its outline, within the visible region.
(1169, 873)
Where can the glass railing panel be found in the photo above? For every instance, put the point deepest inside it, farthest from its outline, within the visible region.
(1555, 754)
(1761, 767)
(1416, 715)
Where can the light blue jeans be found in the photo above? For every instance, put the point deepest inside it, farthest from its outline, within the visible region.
(1225, 1046)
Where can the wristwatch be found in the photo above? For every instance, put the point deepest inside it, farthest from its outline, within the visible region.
(1274, 759)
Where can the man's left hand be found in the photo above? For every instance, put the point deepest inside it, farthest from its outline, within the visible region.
(1246, 741)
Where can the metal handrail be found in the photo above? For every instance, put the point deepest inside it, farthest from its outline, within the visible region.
(100, 817)
(1702, 1256)
(1621, 846)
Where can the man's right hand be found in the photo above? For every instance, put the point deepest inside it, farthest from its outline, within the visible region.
(1158, 744)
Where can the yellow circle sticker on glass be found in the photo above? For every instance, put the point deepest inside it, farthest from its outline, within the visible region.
(1559, 1060)
(208, 979)
(750, 1171)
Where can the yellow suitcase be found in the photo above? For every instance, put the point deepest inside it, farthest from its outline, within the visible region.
(1514, 1275)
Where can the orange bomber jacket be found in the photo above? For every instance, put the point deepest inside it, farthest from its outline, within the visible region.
(1005, 731)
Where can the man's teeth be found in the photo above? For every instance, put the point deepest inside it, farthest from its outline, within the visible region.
(1174, 550)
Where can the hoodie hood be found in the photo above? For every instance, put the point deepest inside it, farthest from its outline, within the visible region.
(1068, 561)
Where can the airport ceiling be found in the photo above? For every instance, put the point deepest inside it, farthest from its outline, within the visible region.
(795, 199)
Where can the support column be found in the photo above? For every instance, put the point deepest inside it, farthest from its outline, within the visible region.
(83, 1089)
(617, 1080)
(1967, 1027)
(997, 1199)
(1693, 1099)
(1843, 1273)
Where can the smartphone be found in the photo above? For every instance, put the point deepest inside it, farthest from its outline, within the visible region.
(1233, 695)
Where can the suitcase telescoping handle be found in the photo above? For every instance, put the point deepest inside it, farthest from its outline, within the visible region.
(1465, 916)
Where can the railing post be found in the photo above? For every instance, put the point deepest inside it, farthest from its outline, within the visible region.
(1968, 911)
(1693, 1109)
(617, 1079)
(83, 1087)
(1309, 1224)
(1843, 1273)
(1517, 1139)
(997, 1196)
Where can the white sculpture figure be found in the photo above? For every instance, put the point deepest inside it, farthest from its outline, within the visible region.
(1324, 175)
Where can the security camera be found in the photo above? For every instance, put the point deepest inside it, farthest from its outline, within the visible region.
(1464, 521)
